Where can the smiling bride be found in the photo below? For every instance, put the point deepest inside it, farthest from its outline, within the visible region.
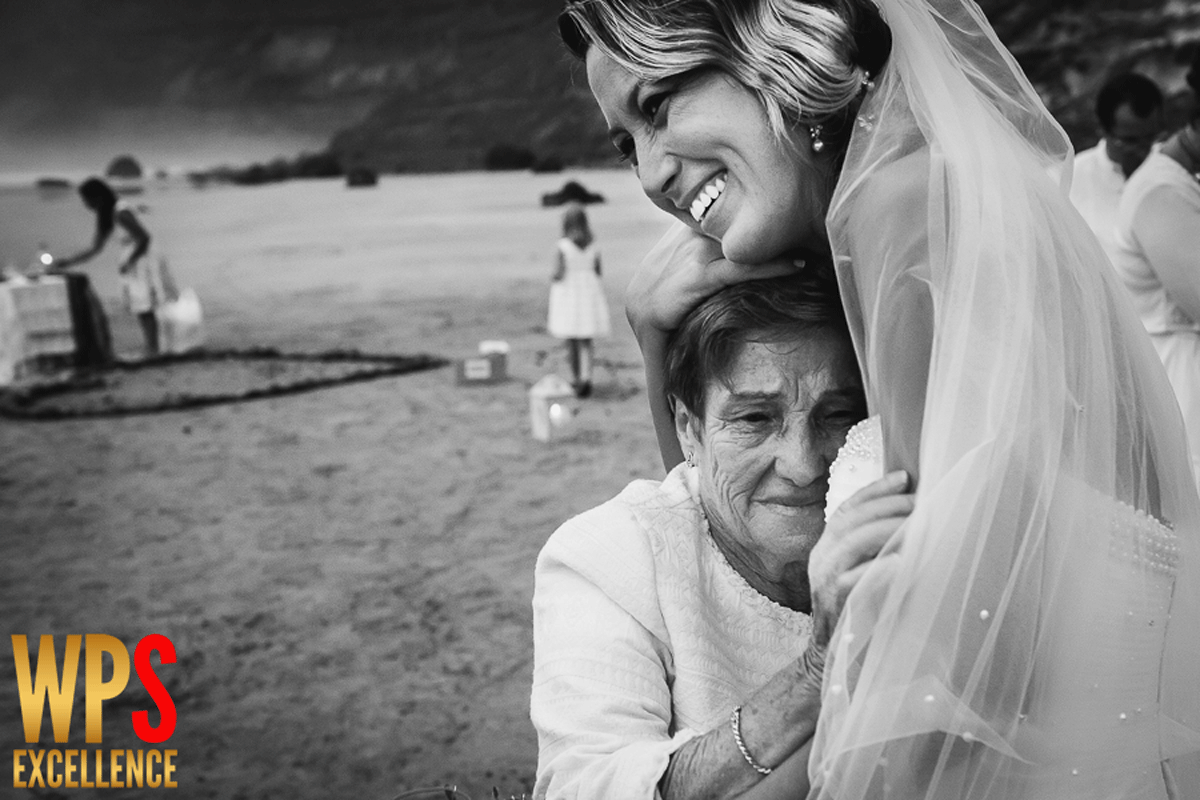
(1032, 629)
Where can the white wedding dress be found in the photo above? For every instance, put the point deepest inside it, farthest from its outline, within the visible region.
(1117, 658)
(1037, 634)
(859, 462)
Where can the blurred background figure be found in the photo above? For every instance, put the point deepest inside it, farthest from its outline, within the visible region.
(578, 308)
(89, 323)
(1129, 109)
(141, 279)
(1158, 256)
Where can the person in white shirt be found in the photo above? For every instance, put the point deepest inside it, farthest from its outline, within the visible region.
(1129, 108)
(1157, 236)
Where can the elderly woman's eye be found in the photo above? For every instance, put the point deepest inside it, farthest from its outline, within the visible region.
(844, 417)
(626, 148)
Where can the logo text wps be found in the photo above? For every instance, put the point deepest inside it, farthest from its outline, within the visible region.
(74, 768)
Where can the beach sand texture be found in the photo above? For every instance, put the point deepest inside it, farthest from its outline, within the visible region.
(346, 573)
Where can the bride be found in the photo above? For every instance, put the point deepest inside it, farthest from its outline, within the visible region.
(1033, 631)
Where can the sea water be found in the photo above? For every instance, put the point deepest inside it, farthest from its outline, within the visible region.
(425, 233)
(268, 252)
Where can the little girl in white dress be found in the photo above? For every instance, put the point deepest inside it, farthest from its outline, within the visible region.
(578, 309)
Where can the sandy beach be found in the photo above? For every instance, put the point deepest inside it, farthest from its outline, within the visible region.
(345, 573)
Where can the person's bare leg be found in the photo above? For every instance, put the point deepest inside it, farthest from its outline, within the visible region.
(573, 360)
(585, 367)
(149, 331)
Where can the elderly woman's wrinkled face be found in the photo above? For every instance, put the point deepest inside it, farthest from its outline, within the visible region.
(704, 152)
(766, 441)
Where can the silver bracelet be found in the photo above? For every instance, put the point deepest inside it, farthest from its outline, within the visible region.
(735, 724)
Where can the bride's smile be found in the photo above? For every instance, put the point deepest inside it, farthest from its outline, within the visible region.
(708, 194)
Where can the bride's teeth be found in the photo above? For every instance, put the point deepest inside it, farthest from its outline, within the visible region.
(706, 198)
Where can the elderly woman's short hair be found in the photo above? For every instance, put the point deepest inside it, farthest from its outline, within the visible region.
(775, 310)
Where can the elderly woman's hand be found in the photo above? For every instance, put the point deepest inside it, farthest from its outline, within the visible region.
(852, 539)
(681, 270)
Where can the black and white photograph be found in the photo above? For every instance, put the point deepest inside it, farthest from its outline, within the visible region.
(600, 399)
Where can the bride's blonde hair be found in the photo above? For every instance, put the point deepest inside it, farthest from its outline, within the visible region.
(806, 62)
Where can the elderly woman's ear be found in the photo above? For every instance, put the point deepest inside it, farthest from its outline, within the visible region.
(687, 428)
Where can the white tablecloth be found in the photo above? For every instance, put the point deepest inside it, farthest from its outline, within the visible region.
(35, 323)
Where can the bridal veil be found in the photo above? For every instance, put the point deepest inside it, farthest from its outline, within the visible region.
(1034, 633)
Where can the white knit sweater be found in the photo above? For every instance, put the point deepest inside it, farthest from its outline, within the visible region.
(644, 636)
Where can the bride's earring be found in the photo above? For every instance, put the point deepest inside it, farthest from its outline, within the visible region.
(817, 143)
(690, 458)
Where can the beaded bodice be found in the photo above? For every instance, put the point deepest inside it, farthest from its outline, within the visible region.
(1102, 641)
(1100, 629)
(858, 462)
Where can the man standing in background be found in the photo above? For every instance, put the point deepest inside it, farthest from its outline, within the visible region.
(1130, 111)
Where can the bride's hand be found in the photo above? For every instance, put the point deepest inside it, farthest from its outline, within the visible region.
(853, 537)
(679, 272)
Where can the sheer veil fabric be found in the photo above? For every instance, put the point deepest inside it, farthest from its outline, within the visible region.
(1035, 631)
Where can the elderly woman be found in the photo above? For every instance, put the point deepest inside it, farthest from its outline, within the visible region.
(676, 645)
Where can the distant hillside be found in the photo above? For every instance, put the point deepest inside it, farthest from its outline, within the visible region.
(139, 71)
(540, 100)
(420, 85)
(508, 81)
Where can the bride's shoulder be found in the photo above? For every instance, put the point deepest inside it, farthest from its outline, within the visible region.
(888, 208)
(901, 183)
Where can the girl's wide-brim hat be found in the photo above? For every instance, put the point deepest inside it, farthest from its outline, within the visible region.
(571, 192)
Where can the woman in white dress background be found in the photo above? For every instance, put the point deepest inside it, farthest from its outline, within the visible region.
(142, 278)
(1033, 630)
(578, 309)
(1158, 257)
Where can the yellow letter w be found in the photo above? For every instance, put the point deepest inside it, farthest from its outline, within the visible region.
(33, 695)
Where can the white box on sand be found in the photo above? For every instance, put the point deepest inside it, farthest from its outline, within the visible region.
(492, 368)
(552, 408)
(489, 346)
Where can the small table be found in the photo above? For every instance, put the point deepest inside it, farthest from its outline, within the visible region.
(36, 331)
